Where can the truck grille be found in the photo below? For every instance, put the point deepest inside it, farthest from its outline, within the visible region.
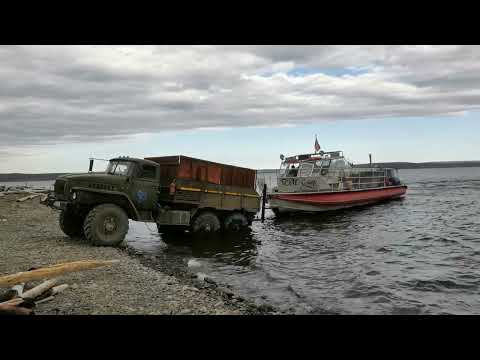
(102, 186)
(59, 187)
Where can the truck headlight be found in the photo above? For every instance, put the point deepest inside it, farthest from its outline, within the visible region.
(74, 195)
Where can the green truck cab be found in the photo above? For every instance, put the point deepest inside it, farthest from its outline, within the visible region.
(175, 192)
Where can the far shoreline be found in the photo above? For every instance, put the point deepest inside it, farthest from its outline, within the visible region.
(20, 177)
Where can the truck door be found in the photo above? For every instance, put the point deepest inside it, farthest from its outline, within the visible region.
(144, 188)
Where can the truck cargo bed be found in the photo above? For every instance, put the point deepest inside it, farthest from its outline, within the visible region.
(188, 168)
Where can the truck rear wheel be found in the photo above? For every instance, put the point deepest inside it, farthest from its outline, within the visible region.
(106, 225)
(206, 222)
(71, 223)
(235, 222)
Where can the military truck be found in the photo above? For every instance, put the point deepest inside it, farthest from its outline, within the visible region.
(178, 193)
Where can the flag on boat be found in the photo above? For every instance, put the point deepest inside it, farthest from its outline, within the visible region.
(317, 145)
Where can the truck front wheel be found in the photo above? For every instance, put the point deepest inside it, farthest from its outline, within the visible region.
(106, 225)
(71, 223)
(206, 222)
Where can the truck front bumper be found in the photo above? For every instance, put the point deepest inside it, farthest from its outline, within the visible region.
(60, 205)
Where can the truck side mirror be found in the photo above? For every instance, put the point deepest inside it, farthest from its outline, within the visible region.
(90, 168)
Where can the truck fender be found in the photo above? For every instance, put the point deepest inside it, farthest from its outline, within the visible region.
(125, 202)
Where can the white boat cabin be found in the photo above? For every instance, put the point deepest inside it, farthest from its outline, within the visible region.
(329, 171)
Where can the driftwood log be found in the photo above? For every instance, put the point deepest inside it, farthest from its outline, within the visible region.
(36, 292)
(42, 293)
(58, 289)
(51, 292)
(12, 293)
(45, 300)
(28, 197)
(40, 289)
(27, 303)
(7, 309)
(52, 271)
(14, 302)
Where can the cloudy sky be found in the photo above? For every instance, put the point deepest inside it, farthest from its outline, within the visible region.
(60, 105)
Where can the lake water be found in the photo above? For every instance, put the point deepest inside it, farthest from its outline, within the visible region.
(419, 255)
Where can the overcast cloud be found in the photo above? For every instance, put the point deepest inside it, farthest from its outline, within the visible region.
(51, 94)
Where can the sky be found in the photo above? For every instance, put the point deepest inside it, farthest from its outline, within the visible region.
(244, 105)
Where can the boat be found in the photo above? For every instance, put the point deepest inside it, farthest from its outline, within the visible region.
(325, 181)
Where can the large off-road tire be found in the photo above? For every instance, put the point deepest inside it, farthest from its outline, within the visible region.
(106, 225)
(206, 222)
(235, 222)
(71, 223)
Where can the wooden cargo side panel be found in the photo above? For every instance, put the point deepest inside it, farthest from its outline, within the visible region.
(168, 168)
(187, 168)
(240, 177)
(214, 174)
(227, 175)
(167, 174)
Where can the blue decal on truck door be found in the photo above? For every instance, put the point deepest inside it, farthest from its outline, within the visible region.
(141, 196)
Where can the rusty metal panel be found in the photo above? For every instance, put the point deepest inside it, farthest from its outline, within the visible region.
(165, 160)
(195, 170)
(214, 174)
(227, 175)
(184, 167)
(239, 177)
(167, 174)
(202, 173)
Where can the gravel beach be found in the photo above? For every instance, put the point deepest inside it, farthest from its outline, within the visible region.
(31, 237)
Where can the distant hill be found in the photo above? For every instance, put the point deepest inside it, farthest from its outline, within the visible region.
(29, 177)
(398, 165)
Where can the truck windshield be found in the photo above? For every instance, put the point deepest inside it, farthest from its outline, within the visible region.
(119, 167)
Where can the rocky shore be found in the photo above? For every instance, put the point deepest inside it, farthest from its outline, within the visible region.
(31, 237)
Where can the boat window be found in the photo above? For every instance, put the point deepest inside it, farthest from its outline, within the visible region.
(305, 170)
(339, 164)
(317, 168)
(326, 163)
(283, 167)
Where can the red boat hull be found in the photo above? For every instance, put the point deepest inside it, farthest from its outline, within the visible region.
(333, 200)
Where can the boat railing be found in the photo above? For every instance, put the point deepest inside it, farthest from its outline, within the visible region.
(337, 179)
(357, 178)
(352, 178)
